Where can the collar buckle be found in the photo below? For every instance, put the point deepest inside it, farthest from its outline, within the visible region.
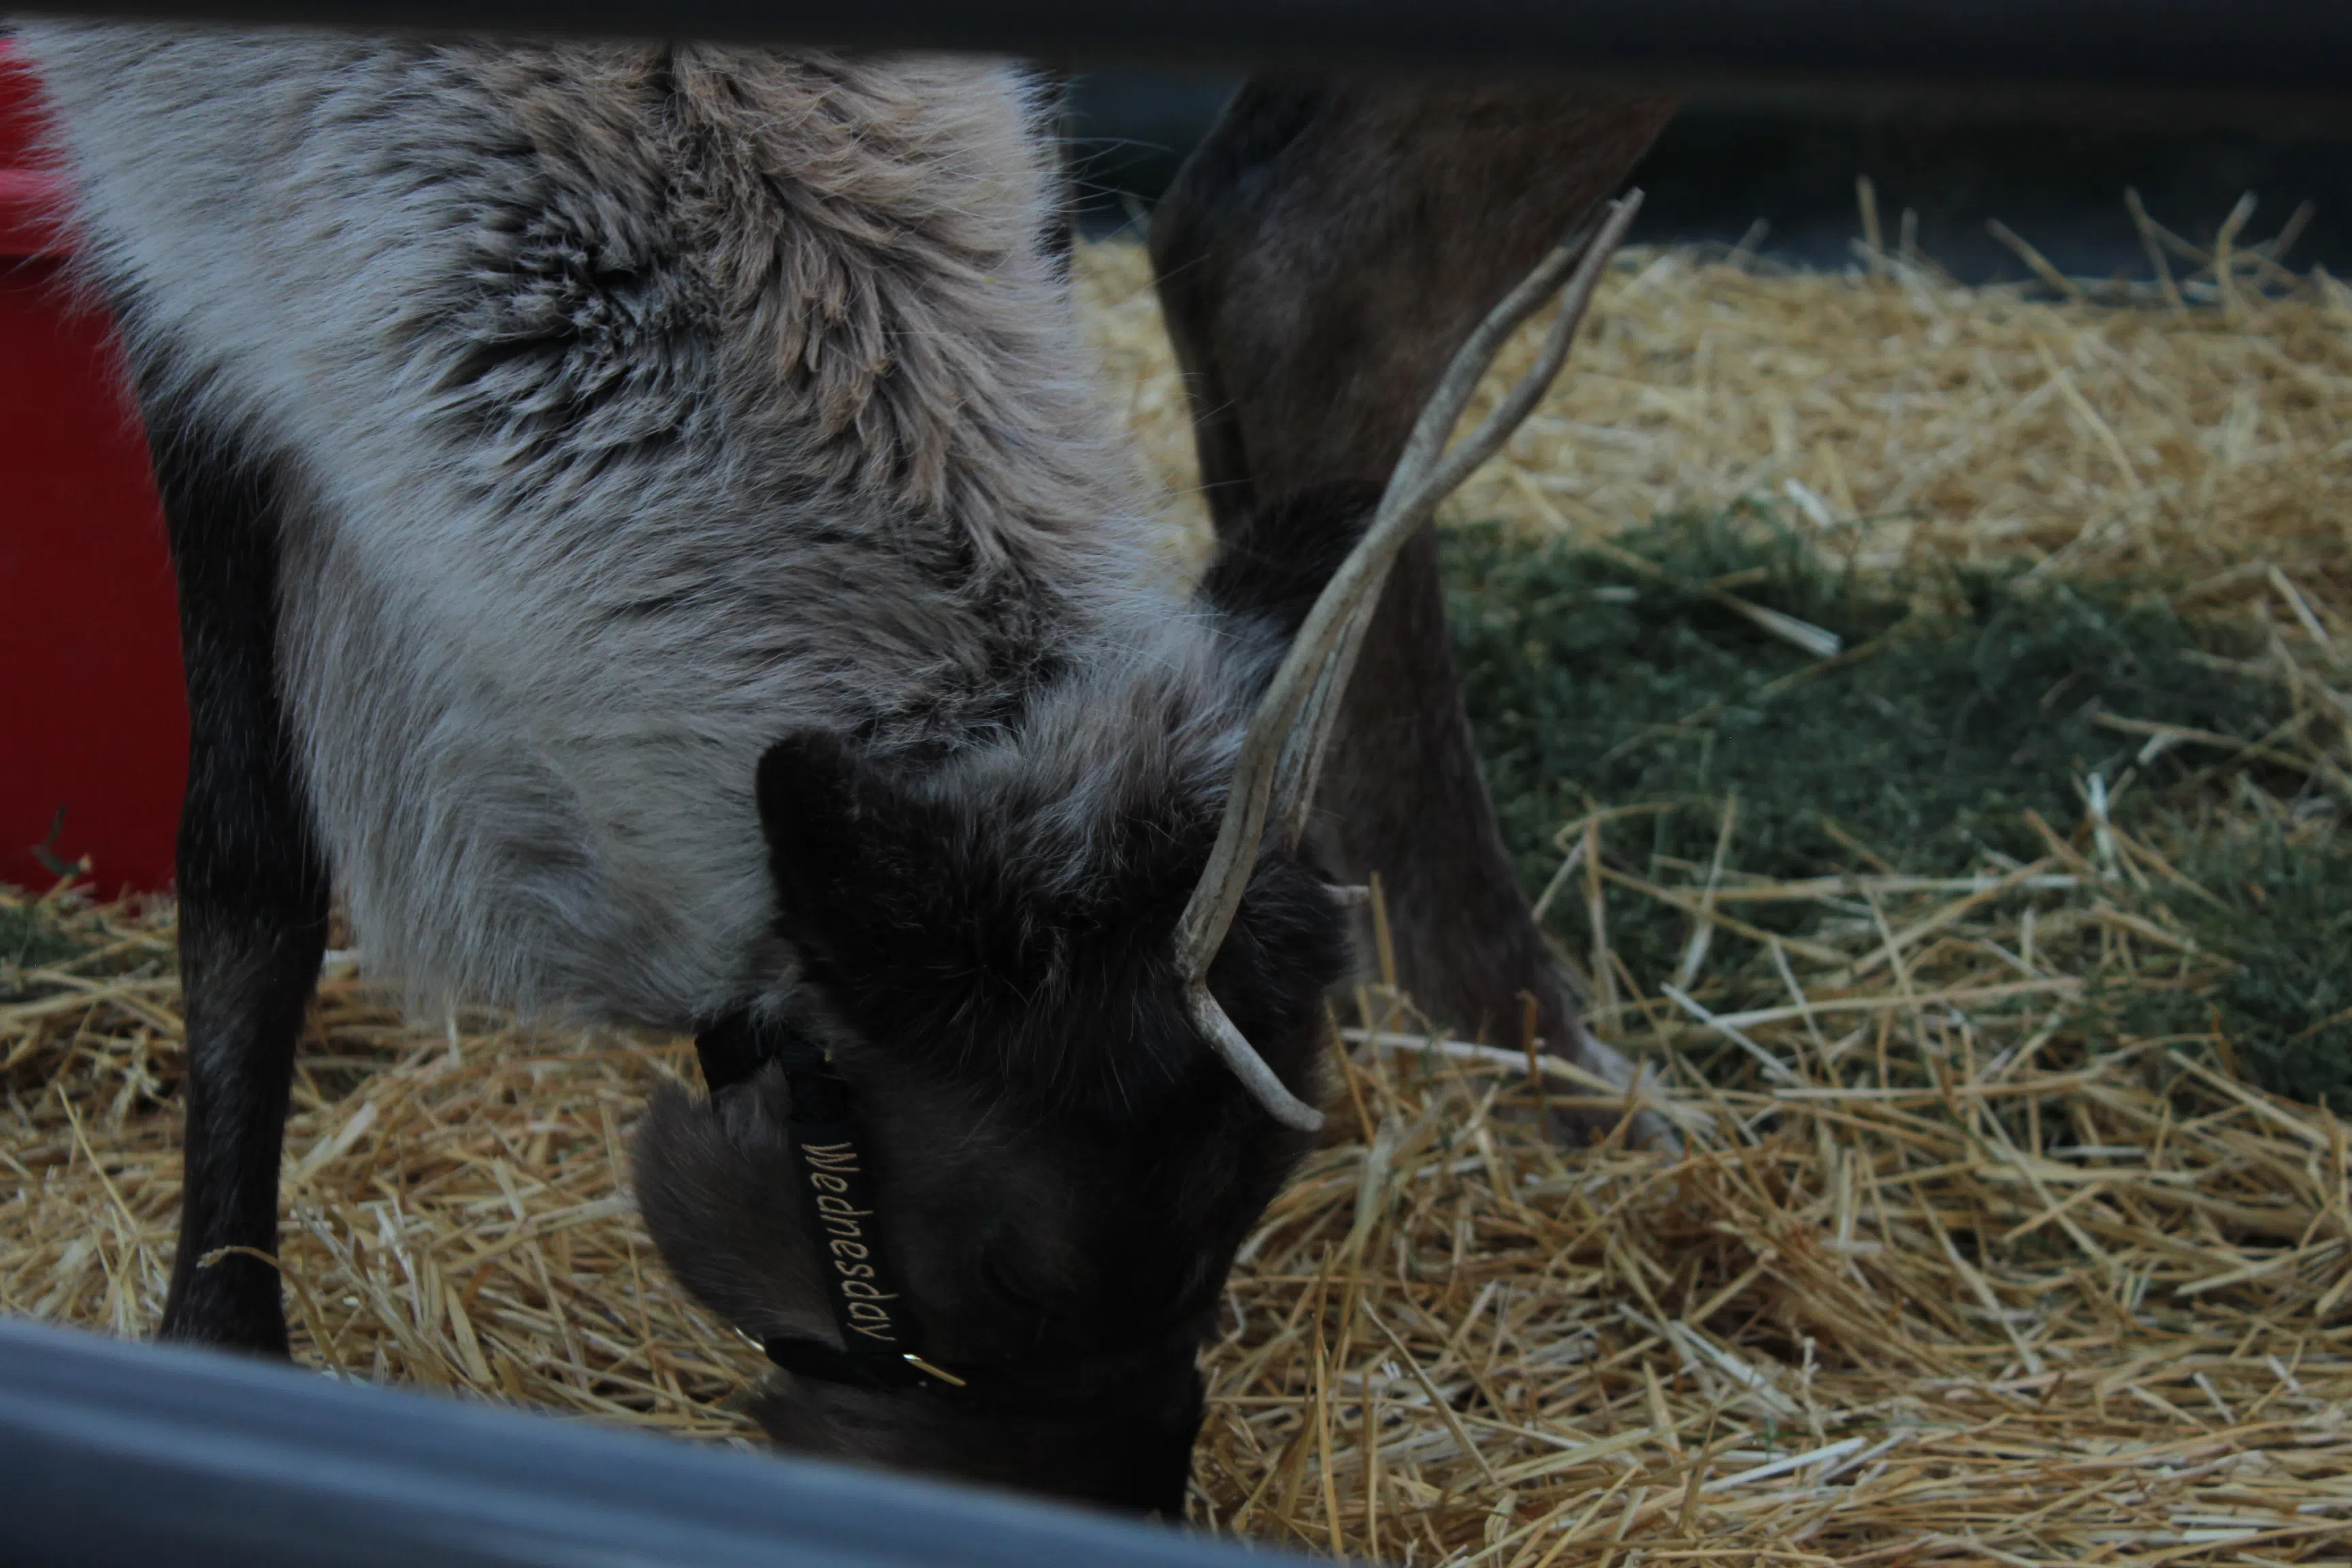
(929, 1369)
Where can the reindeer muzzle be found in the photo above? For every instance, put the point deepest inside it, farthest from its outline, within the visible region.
(881, 1340)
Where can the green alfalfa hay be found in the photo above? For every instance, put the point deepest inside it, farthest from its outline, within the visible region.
(2274, 914)
(1966, 703)
(37, 933)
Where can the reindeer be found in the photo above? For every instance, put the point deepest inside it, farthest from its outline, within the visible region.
(643, 534)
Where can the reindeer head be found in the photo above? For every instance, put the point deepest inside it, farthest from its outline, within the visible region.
(1049, 1049)
(1058, 1167)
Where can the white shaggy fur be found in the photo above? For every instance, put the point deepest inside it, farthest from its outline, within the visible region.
(640, 405)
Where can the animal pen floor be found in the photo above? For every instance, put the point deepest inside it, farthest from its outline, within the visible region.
(1955, 1267)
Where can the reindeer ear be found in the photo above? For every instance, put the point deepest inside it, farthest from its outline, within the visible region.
(844, 838)
(807, 788)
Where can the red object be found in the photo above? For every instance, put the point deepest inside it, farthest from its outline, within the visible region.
(93, 716)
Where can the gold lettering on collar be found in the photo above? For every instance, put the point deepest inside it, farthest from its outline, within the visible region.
(831, 1168)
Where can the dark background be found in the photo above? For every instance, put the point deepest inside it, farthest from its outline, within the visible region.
(2053, 168)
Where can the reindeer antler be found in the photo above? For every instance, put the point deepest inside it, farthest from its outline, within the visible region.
(1282, 752)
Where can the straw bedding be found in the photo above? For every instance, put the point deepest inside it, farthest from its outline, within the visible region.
(1902, 412)
(1950, 1270)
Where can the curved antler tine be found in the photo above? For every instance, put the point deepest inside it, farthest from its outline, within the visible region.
(1443, 411)
(1354, 588)
(1439, 415)
(1293, 796)
(1426, 475)
(1291, 729)
(1446, 473)
(1248, 1066)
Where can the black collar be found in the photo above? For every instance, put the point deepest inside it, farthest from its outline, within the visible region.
(834, 1172)
(881, 1343)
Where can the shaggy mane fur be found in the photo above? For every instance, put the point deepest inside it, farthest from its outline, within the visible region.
(637, 406)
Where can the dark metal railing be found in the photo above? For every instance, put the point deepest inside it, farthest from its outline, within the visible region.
(2227, 45)
(114, 1455)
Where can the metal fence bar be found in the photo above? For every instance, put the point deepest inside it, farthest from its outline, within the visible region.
(114, 1454)
(2232, 45)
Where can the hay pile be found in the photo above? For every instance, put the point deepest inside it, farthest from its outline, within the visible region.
(455, 1215)
(1953, 1270)
(1933, 1282)
(1897, 411)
